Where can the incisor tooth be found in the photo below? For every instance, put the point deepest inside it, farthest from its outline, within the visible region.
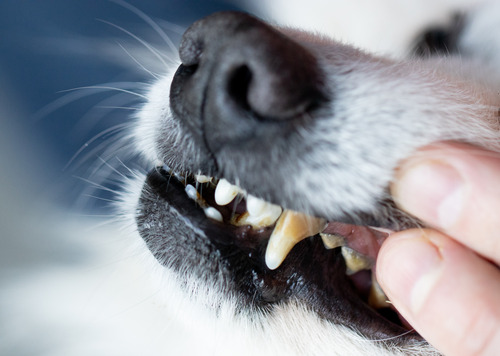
(212, 213)
(257, 221)
(200, 178)
(355, 261)
(225, 192)
(260, 213)
(255, 206)
(291, 228)
(192, 193)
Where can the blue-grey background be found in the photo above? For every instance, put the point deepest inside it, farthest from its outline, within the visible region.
(47, 49)
(60, 292)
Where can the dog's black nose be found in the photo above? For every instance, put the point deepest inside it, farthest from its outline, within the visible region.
(237, 70)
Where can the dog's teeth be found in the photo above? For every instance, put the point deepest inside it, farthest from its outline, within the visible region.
(259, 221)
(213, 214)
(332, 241)
(255, 206)
(200, 178)
(260, 213)
(291, 228)
(355, 261)
(225, 192)
(377, 298)
(192, 193)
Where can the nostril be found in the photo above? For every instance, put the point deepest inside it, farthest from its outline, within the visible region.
(189, 69)
(184, 72)
(238, 86)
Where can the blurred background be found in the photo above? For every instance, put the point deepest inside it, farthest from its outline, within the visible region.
(49, 50)
(59, 256)
(59, 59)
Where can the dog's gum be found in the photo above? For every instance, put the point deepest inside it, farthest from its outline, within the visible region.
(355, 261)
(291, 228)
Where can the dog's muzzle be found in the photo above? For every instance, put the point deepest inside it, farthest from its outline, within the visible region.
(245, 90)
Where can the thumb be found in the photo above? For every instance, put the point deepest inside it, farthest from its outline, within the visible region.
(446, 292)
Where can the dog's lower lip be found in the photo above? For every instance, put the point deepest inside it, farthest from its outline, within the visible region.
(171, 188)
(241, 250)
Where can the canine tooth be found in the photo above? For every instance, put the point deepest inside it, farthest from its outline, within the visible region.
(200, 178)
(192, 193)
(377, 298)
(355, 261)
(213, 213)
(291, 228)
(225, 192)
(332, 241)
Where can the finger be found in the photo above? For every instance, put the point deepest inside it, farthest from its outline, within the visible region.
(456, 188)
(447, 293)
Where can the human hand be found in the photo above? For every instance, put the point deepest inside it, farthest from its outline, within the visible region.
(445, 281)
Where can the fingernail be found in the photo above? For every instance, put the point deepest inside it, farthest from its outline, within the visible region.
(431, 190)
(408, 269)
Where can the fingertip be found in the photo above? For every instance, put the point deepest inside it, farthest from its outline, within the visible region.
(408, 266)
(431, 189)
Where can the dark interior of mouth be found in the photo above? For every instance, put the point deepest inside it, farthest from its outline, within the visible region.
(310, 272)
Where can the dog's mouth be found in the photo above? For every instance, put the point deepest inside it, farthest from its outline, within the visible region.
(270, 255)
(229, 204)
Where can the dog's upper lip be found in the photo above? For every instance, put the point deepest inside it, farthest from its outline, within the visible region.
(172, 191)
(363, 239)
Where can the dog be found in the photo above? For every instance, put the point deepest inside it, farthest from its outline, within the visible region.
(271, 153)
(171, 278)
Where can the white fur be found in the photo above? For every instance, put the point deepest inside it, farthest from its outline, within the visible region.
(382, 26)
(147, 123)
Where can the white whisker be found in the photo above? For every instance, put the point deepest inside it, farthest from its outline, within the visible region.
(127, 108)
(110, 130)
(154, 75)
(75, 94)
(153, 50)
(96, 186)
(103, 87)
(100, 112)
(149, 21)
(179, 30)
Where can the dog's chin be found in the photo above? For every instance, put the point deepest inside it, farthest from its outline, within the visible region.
(188, 232)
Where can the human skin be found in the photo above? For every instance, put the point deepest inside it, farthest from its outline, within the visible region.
(445, 280)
